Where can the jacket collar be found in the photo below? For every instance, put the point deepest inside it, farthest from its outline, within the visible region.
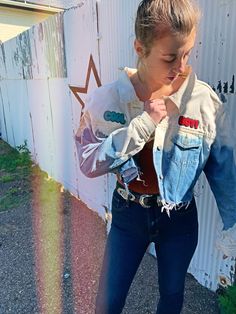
(127, 91)
(125, 87)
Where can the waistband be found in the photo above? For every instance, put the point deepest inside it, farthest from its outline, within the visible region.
(145, 200)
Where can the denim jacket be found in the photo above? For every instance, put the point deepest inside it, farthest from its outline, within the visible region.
(194, 137)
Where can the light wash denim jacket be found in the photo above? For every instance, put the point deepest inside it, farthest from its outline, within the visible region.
(194, 137)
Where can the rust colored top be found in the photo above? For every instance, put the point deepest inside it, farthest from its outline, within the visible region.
(149, 184)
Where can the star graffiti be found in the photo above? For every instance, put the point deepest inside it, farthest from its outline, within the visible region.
(84, 90)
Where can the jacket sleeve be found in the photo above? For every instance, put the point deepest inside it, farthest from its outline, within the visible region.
(101, 147)
(220, 171)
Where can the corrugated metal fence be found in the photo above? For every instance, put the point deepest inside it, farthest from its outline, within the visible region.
(47, 71)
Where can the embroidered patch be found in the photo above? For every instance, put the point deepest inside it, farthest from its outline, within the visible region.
(114, 117)
(192, 123)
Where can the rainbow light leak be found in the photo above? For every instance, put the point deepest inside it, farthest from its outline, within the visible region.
(48, 226)
(48, 230)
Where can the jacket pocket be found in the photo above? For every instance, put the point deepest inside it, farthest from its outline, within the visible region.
(180, 166)
(185, 150)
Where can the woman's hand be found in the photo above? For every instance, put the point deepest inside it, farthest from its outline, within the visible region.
(156, 108)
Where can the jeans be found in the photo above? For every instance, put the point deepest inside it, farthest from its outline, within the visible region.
(133, 228)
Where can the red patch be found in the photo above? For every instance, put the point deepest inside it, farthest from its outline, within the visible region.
(188, 122)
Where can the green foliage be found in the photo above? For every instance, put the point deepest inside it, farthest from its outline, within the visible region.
(15, 171)
(13, 159)
(13, 198)
(6, 178)
(227, 301)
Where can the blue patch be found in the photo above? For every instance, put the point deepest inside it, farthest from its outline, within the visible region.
(114, 117)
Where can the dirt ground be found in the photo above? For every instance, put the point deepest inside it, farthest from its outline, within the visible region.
(51, 249)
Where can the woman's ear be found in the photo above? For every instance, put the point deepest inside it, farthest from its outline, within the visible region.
(139, 48)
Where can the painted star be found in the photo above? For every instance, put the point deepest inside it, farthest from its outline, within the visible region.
(76, 90)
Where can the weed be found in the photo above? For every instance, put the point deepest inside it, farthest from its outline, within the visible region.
(23, 148)
(15, 170)
(7, 178)
(227, 300)
(14, 159)
(12, 198)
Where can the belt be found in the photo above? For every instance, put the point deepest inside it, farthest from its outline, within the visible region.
(145, 200)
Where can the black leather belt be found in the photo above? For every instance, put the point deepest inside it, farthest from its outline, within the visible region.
(145, 200)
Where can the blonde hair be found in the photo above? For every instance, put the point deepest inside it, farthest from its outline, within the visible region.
(156, 18)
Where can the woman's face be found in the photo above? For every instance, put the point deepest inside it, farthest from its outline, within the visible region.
(167, 59)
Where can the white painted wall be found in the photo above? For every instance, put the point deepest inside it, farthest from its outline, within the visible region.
(36, 103)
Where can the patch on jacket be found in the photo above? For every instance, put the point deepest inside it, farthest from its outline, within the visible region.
(192, 123)
(114, 117)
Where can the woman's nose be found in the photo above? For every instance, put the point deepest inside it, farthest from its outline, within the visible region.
(180, 66)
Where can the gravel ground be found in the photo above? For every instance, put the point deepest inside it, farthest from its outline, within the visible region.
(84, 235)
(51, 249)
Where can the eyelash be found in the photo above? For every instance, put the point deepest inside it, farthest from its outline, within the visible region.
(171, 61)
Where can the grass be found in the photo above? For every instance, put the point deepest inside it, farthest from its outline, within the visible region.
(7, 178)
(227, 300)
(20, 177)
(15, 171)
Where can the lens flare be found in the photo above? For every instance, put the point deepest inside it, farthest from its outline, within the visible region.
(48, 231)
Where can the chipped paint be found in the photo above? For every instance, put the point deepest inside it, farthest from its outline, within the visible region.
(54, 43)
(36, 53)
(23, 56)
(3, 60)
(40, 32)
(4, 118)
(3, 53)
(225, 87)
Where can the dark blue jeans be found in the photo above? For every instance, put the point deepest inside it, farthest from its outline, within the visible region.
(133, 228)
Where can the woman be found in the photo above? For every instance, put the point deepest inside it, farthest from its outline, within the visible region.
(157, 128)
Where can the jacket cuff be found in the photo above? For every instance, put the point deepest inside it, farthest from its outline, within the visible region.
(226, 241)
(145, 124)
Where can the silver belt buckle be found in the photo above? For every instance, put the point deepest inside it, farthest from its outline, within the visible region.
(126, 195)
(142, 197)
(141, 200)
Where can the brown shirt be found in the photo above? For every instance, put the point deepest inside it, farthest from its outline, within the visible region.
(149, 184)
